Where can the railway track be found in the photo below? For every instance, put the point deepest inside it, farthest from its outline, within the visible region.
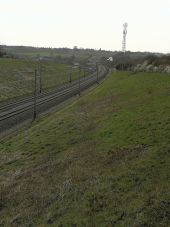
(12, 114)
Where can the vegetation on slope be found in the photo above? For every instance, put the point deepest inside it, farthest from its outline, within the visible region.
(16, 79)
(104, 161)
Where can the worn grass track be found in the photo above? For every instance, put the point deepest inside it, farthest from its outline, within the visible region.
(103, 161)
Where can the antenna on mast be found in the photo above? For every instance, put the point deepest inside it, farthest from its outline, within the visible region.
(125, 25)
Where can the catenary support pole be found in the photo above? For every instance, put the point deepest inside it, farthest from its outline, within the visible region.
(97, 71)
(40, 72)
(35, 95)
(79, 80)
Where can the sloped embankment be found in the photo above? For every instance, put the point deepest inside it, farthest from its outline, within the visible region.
(104, 161)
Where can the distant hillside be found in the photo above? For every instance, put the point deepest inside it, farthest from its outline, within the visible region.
(83, 56)
(33, 52)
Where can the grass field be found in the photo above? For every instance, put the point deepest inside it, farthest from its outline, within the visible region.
(15, 79)
(30, 52)
(103, 161)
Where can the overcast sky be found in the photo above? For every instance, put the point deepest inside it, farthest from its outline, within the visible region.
(86, 23)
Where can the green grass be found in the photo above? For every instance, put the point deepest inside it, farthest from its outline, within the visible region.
(31, 52)
(15, 81)
(103, 161)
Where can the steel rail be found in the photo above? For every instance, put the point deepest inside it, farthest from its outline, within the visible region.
(45, 93)
(50, 94)
(57, 95)
(47, 99)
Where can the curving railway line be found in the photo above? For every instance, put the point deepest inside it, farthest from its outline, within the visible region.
(15, 113)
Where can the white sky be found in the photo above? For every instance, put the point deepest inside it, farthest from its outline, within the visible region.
(86, 23)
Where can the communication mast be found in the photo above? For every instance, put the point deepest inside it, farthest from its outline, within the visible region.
(125, 25)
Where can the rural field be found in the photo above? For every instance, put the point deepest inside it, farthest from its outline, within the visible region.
(102, 161)
(17, 77)
(32, 52)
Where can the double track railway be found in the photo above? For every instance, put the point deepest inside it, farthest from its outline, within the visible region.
(13, 114)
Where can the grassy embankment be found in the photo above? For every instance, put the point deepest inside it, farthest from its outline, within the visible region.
(15, 81)
(104, 161)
